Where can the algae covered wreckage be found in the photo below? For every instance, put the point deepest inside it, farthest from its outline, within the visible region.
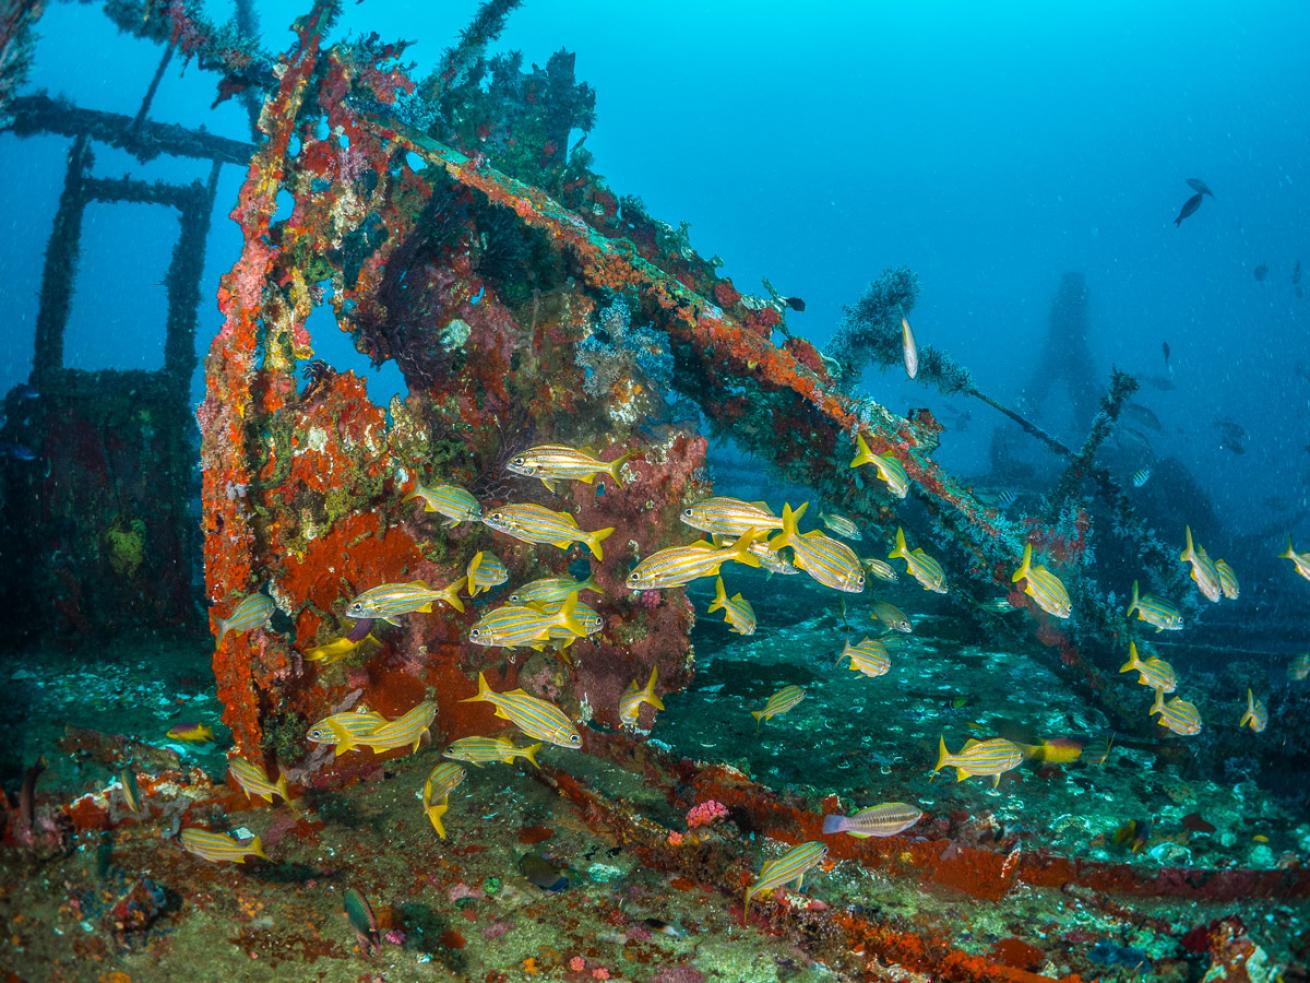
(447, 225)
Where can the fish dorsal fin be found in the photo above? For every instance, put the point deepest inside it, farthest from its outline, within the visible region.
(971, 742)
(701, 544)
(517, 692)
(420, 584)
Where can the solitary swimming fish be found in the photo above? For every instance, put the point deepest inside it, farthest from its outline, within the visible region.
(880, 569)
(484, 572)
(678, 566)
(387, 602)
(336, 650)
(534, 716)
(551, 462)
(830, 562)
(130, 789)
(869, 657)
(408, 729)
(841, 525)
(443, 779)
(254, 781)
(791, 866)
(1300, 561)
(1161, 615)
(779, 702)
(1189, 207)
(737, 611)
(909, 349)
(889, 469)
(1204, 574)
(1044, 587)
(919, 565)
(192, 731)
(1141, 476)
(1177, 715)
(479, 751)
(632, 698)
(1227, 580)
(1256, 716)
(992, 757)
(887, 819)
(1155, 672)
(551, 590)
(730, 516)
(1299, 668)
(220, 846)
(893, 617)
(1098, 752)
(254, 611)
(453, 502)
(537, 524)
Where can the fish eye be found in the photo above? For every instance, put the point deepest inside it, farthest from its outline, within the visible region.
(575, 738)
(475, 633)
(518, 462)
(688, 512)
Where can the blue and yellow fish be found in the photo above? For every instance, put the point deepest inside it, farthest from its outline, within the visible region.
(220, 846)
(869, 657)
(730, 517)
(1256, 716)
(779, 702)
(919, 565)
(992, 757)
(1161, 615)
(484, 572)
(737, 611)
(453, 502)
(534, 716)
(678, 566)
(551, 462)
(1300, 561)
(551, 590)
(254, 611)
(408, 729)
(479, 751)
(254, 781)
(889, 469)
(632, 698)
(1204, 574)
(533, 523)
(1177, 715)
(1155, 672)
(791, 866)
(830, 562)
(192, 731)
(443, 779)
(1042, 586)
(529, 626)
(357, 721)
(1227, 580)
(387, 602)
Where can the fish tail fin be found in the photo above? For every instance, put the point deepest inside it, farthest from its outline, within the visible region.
(1250, 710)
(418, 493)
(901, 549)
(864, 455)
(568, 615)
(589, 584)
(594, 540)
(720, 596)
(484, 692)
(746, 906)
(435, 812)
(616, 465)
(1158, 705)
(1287, 554)
(344, 740)
(221, 624)
(741, 549)
(1135, 604)
(451, 594)
(1189, 552)
(530, 752)
(1025, 565)
(759, 716)
(648, 694)
(943, 756)
(281, 786)
(1134, 662)
(833, 824)
(257, 848)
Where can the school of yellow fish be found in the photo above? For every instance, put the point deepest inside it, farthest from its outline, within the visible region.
(549, 613)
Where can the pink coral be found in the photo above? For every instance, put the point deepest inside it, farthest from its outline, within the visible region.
(600, 973)
(675, 838)
(577, 964)
(706, 814)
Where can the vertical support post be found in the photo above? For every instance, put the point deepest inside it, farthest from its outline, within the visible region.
(60, 273)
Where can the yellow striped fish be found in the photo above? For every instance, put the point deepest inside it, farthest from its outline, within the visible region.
(1098, 752)
(791, 866)
(588, 621)
(254, 611)
(1256, 716)
(521, 625)
(730, 516)
(632, 698)
(407, 729)
(478, 751)
(1204, 574)
(1299, 668)
(1042, 586)
(131, 791)
(680, 565)
(1227, 580)
(841, 525)
(551, 590)
(830, 562)
(992, 757)
(887, 819)
(880, 569)
(919, 565)
(1161, 615)
(358, 721)
(220, 846)
(737, 611)
(534, 716)
(254, 781)
(779, 702)
(1177, 715)
(334, 651)
(772, 561)
(453, 502)
(889, 469)
(551, 462)
(892, 616)
(485, 571)
(869, 657)
(443, 779)
(1300, 561)
(388, 602)
(1155, 672)
(537, 524)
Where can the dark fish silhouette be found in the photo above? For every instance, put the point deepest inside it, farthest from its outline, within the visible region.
(1157, 382)
(1261, 272)
(1199, 186)
(1165, 347)
(1189, 206)
(1144, 415)
(1232, 436)
(1296, 279)
(795, 303)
